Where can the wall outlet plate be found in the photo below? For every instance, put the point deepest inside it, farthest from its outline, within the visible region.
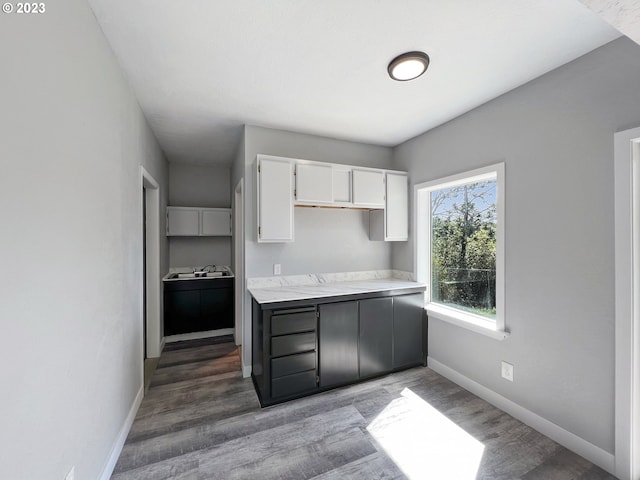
(277, 269)
(507, 371)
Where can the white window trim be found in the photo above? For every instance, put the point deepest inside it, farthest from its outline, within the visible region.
(422, 226)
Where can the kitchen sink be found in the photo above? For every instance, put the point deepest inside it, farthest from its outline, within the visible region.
(175, 276)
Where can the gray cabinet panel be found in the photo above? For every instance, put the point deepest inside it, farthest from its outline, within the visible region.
(408, 334)
(338, 343)
(376, 334)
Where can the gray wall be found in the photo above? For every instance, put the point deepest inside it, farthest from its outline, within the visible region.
(71, 140)
(199, 186)
(555, 136)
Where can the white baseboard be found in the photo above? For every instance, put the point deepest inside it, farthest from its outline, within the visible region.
(197, 335)
(122, 436)
(594, 454)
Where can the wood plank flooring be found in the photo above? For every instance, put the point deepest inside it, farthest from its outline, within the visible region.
(201, 420)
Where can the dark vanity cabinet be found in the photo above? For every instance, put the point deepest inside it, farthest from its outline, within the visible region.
(303, 347)
(196, 305)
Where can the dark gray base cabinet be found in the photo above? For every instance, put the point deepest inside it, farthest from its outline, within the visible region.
(338, 343)
(408, 325)
(375, 351)
(304, 349)
(198, 305)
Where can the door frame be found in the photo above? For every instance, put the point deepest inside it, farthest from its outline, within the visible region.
(238, 255)
(151, 196)
(627, 302)
(243, 328)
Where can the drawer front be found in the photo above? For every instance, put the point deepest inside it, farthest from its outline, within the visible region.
(293, 323)
(296, 343)
(292, 384)
(293, 364)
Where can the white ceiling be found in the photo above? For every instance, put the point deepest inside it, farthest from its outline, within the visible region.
(203, 68)
(623, 15)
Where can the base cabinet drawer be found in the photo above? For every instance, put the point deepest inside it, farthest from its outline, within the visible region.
(292, 384)
(296, 343)
(293, 364)
(293, 322)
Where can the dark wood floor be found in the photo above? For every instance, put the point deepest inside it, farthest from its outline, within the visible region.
(201, 420)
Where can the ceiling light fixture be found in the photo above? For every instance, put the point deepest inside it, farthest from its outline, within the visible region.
(408, 66)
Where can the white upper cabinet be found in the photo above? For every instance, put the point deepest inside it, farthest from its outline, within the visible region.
(392, 223)
(215, 222)
(275, 199)
(285, 182)
(183, 221)
(314, 183)
(368, 188)
(396, 213)
(198, 222)
(341, 181)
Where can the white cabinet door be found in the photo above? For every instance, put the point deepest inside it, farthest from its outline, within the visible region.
(275, 199)
(183, 221)
(313, 183)
(397, 209)
(368, 188)
(215, 222)
(341, 185)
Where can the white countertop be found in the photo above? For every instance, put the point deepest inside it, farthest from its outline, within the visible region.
(287, 293)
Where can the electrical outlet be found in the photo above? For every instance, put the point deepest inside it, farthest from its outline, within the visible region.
(507, 371)
(71, 474)
(277, 269)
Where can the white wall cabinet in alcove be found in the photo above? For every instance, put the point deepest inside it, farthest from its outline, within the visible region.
(198, 222)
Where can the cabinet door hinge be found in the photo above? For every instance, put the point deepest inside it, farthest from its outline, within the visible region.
(258, 168)
(317, 380)
(295, 193)
(259, 230)
(317, 314)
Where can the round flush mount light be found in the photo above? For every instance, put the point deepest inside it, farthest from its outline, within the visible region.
(408, 66)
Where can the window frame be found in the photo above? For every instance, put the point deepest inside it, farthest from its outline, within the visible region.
(422, 249)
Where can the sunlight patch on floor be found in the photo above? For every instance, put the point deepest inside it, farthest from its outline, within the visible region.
(423, 442)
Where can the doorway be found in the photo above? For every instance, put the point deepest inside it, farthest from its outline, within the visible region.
(627, 303)
(150, 288)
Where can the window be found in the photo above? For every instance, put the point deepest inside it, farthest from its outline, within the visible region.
(460, 248)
